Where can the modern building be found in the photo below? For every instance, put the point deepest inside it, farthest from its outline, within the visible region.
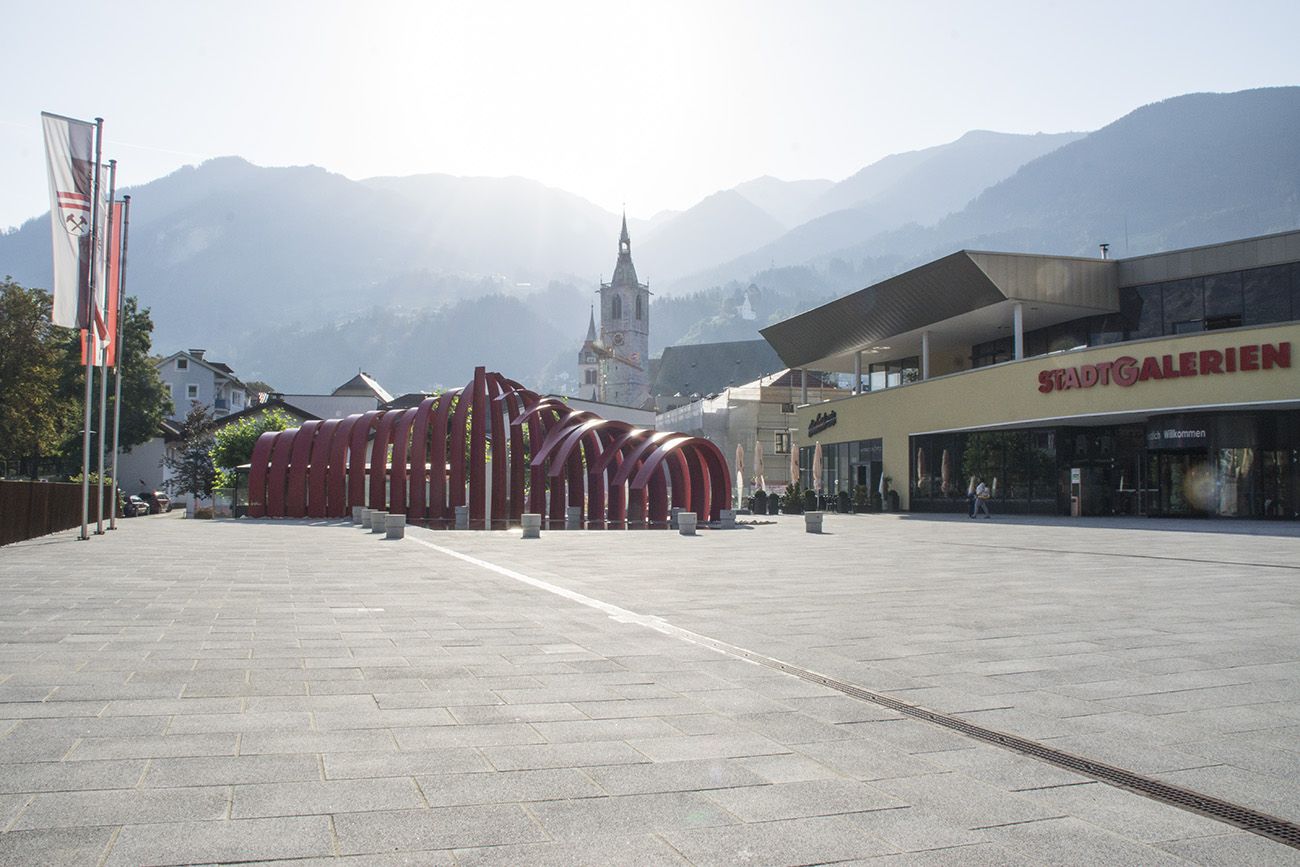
(614, 365)
(192, 378)
(1154, 385)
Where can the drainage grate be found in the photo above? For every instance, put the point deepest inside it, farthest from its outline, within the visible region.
(1272, 827)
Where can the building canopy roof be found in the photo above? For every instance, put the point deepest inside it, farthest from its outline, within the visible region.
(963, 298)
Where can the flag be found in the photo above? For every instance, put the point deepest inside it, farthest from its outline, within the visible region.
(104, 312)
(69, 160)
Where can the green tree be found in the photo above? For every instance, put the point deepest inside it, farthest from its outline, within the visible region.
(36, 415)
(145, 402)
(233, 443)
(191, 464)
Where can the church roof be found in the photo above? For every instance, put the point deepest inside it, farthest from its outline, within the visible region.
(624, 270)
(591, 327)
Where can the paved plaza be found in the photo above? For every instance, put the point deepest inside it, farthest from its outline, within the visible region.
(185, 692)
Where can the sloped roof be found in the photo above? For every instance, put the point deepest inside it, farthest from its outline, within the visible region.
(363, 384)
(946, 289)
(705, 368)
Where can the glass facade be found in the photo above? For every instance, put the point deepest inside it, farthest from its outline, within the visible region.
(844, 466)
(1258, 296)
(1232, 465)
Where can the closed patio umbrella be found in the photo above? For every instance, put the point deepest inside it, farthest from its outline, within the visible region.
(945, 473)
(740, 475)
(921, 478)
(817, 468)
(794, 463)
(758, 465)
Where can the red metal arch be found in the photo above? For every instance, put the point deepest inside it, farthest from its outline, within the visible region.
(545, 456)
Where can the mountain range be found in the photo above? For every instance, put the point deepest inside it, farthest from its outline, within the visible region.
(299, 276)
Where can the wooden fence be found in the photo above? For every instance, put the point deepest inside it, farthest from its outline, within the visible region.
(31, 509)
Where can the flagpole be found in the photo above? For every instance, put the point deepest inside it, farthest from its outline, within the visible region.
(87, 313)
(117, 351)
(102, 353)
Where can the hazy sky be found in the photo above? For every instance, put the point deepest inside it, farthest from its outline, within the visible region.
(655, 104)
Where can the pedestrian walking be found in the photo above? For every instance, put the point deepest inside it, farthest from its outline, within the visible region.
(981, 500)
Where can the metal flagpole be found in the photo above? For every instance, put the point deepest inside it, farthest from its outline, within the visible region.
(117, 351)
(87, 316)
(103, 358)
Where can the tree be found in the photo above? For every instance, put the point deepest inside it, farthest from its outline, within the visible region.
(191, 465)
(36, 416)
(233, 443)
(145, 401)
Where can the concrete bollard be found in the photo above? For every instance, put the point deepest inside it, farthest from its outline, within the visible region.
(532, 524)
(377, 519)
(366, 516)
(728, 519)
(812, 521)
(462, 517)
(673, 514)
(686, 522)
(395, 526)
(573, 517)
(356, 514)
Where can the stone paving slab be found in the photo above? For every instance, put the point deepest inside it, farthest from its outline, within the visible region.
(302, 693)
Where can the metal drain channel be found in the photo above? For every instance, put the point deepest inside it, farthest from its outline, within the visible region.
(1274, 828)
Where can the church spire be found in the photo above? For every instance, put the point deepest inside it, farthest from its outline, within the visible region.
(624, 239)
(591, 326)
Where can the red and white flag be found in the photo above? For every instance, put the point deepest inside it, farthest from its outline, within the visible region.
(104, 316)
(69, 157)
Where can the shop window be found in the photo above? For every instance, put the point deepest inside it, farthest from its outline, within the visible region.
(1143, 311)
(1266, 296)
(1184, 303)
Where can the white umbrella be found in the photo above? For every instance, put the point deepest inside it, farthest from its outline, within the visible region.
(945, 473)
(794, 463)
(740, 471)
(817, 468)
(922, 482)
(993, 488)
(758, 465)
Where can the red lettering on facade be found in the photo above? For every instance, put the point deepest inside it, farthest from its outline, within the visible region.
(1249, 357)
(1278, 355)
(1125, 371)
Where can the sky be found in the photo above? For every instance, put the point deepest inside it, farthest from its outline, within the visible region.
(653, 105)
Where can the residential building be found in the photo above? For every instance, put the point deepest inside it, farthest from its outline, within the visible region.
(190, 377)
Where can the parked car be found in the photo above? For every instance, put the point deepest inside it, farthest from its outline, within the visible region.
(157, 500)
(134, 507)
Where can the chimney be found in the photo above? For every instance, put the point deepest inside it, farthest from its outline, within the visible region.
(198, 353)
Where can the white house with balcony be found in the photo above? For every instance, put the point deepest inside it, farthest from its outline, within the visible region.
(192, 378)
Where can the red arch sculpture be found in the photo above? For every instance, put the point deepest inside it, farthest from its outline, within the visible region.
(495, 446)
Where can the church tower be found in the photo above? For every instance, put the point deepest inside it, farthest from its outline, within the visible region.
(589, 363)
(624, 363)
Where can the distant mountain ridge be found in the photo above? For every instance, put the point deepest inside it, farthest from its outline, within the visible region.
(228, 254)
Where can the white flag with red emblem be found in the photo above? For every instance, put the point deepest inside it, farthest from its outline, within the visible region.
(69, 153)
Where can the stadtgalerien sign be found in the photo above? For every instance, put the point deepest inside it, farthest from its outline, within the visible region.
(1128, 370)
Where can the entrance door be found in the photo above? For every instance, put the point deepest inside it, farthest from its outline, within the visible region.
(1183, 483)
